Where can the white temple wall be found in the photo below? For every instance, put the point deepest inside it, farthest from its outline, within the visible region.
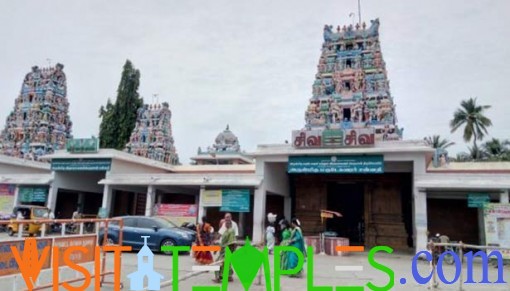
(124, 167)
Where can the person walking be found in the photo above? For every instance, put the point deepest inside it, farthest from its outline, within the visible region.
(296, 240)
(270, 232)
(286, 232)
(228, 239)
(204, 238)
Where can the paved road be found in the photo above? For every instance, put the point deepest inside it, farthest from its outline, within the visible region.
(324, 274)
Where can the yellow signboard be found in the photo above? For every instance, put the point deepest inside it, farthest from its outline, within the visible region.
(211, 198)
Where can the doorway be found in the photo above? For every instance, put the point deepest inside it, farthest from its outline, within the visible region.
(348, 199)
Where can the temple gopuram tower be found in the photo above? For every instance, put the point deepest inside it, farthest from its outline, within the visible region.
(152, 136)
(39, 123)
(351, 104)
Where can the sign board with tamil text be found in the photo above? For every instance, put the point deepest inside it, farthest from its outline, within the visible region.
(32, 194)
(77, 257)
(333, 138)
(82, 145)
(81, 164)
(8, 264)
(477, 200)
(235, 200)
(373, 164)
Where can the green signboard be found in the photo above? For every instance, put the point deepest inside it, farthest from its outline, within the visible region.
(81, 164)
(83, 145)
(336, 164)
(33, 194)
(235, 200)
(477, 200)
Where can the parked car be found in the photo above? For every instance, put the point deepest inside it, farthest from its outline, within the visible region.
(161, 232)
(188, 226)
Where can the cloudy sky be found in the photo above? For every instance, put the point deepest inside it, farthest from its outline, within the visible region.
(251, 64)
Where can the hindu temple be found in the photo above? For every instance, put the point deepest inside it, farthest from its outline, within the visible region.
(351, 102)
(225, 151)
(39, 124)
(152, 136)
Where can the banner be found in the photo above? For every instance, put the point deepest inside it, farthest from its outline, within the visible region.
(497, 226)
(178, 213)
(6, 199)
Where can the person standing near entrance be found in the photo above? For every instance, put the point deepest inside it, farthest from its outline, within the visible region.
(223, 228)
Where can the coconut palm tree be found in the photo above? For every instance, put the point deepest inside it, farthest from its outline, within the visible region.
(435, 141)
(497, 149)
(471, 115)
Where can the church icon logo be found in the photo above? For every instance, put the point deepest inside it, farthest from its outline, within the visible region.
(145, 269)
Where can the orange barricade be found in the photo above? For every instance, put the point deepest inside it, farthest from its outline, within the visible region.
(75, 244)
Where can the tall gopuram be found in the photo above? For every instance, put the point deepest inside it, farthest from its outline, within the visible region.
(39, 123)
(226, 150)
(152, 136)
(351, 104)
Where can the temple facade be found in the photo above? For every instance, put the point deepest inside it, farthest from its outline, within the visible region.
(152, 136)
(39, 124)
(351, 102)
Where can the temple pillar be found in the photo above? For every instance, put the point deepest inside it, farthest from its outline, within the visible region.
(151, 198)
(503, 197)
(202, 211)
(420, 219)
(259, 213)
(52, 197)
(107, 199)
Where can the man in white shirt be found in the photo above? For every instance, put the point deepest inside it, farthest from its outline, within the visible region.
(223, 228)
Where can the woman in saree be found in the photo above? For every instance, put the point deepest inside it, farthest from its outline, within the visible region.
(228, 239)
(296, 240)
(204, 238)
(285, 228)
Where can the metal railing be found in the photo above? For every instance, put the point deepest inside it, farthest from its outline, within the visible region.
(460, 246)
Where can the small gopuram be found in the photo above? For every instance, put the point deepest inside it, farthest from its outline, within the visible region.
(351, 104)
(152, 136)
(39, 123)
(225, 151)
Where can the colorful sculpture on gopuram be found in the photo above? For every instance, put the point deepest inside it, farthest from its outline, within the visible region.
(40, 122)
(152, 136)
(351, 104)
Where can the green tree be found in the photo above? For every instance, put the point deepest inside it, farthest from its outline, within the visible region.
(471, 115)
(435, 141)
(119, 119)
(497, 150)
